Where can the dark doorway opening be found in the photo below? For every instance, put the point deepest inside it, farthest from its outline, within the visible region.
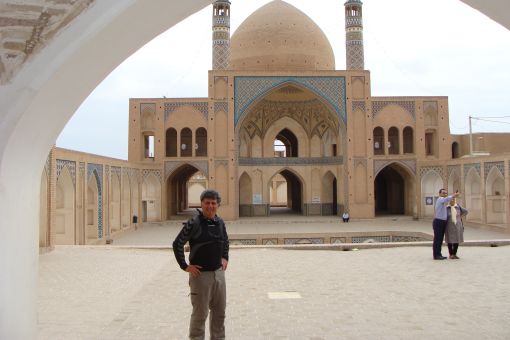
(177, 190)
(389, 191)
(294, 201)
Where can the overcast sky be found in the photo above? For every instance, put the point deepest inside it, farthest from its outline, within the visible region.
(412, 48)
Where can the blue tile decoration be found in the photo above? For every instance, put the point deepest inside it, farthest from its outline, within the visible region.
(379, 105)
(358, 105)
(96, 170)
(499, 165)
(147, 172)
(475, 166)
(221, 106)
(438, 169)
(249, 89)
(203, 107)
(71, 166)
(285, 161)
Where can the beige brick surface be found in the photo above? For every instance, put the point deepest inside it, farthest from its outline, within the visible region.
(399, 293)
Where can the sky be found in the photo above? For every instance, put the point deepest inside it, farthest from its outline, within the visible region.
(412, 48)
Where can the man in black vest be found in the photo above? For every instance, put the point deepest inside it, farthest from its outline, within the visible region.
(208, 240)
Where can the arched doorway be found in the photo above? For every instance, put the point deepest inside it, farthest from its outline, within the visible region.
(430, 185)
(292, 200)
(65, 209)
(289, 144)
(177, 190)
(394, 191)
(455, 150)
(329, 194)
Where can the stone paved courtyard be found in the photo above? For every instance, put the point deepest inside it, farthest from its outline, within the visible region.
(103, 292)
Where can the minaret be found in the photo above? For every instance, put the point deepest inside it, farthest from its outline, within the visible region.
(221, 35)
(355, 56)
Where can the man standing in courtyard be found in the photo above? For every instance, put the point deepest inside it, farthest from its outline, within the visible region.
(209, 245)
(439, 223)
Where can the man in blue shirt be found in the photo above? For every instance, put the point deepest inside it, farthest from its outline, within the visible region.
(439, 223)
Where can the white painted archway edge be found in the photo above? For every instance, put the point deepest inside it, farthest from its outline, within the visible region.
(38, 102)
(35, 107)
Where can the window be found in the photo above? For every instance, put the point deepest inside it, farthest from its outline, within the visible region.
(171, 142)
(408, 140)
(393, 141)
(186, 143)
(149, 146)
(378, 141)
(201, 143)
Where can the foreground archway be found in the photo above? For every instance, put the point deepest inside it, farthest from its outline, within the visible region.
(33, 106)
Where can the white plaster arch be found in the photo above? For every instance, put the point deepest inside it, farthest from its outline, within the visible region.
(65, 209)
(151, 194)
(472, 195)
(431, 183)
(82, 51)
(125, 205)
(495, 196)
(32, 106)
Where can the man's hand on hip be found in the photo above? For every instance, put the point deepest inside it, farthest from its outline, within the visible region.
(224, 264)
(194, 269)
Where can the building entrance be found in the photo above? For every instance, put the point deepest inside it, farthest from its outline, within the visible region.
(389, 192)
(177, 190)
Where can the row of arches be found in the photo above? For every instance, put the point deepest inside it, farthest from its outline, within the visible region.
(284, 191)
(185, 144)
(391, 142)
(493, 198)
(286, 138)
(80, 209)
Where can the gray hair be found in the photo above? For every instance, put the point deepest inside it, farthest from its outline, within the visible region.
(211, 194)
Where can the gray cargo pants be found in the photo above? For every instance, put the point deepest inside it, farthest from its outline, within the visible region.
(208, 292)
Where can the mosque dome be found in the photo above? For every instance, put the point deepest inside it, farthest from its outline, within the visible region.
(279, 37)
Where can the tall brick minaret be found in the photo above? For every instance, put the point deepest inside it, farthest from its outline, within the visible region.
(221, 35)
(355, 55)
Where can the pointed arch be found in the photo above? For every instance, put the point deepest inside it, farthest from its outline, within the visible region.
(393, 141)
(177, 189)
(186, 142)
(115, 198)
(394, 190)
(378, 137)
(454, 181)
(201, 142)
(125, 202)
(171, 142)
(473, 202)
(329, 194)
(431, 183)
(65, 208)
(295, 189)
(495, 197)
(151, 198)
(94, 214)
(295, 130)
(408, 137)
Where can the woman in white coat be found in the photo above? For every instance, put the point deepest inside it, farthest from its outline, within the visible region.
(454, 228)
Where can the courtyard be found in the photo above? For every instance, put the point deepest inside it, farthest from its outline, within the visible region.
(122, 291)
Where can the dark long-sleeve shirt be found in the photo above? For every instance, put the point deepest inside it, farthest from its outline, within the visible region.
(208, 241)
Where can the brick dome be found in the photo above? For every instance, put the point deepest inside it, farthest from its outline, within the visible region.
(279, 37)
